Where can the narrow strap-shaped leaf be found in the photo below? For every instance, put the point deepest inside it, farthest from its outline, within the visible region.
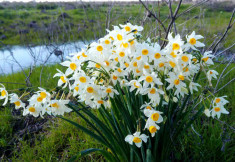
(106, 154)
(90, 133)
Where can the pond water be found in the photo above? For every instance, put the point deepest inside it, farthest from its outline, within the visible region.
(34, 56)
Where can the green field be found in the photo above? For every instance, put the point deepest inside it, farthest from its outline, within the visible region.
(49, 23)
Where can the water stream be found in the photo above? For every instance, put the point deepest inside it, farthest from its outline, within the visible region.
(35, 56)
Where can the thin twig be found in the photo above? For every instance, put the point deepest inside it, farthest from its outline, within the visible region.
(150, 12)
(230, 24)
(171, 23)
(223, 73)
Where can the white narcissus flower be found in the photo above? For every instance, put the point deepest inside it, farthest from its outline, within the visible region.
(220, 101)
(175, 44)
(111, 91)
(212, 74)
(4, 94)
(193, 86)
(72, 66)
(31, 109)
(149, 79)
(136, 138)
(207, 58)
(153, 115)
(207, 112)
(15, 99)
(152, 127)
(218, 110)
(63, 79)
(192, 41)
(58, 107)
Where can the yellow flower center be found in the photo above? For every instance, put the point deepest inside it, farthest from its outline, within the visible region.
(136, 140)
(217, 100)
(136, 85)
(55, 105)
(181, 77)
(63, 79)
(78, 57)
(148, 107)
(39, 99)
(90, 89)
(125, 45)
(83, 54)
(107, 63)
(172, 64)
(185, 69)
(161, 64)
(184, 58)
(211, 72)
(137, 71)
(119, 70)
(76, 88)
(32, 109)
(205, 59)
(108, 90)
(157, 55)
(145, 52)
(97, 66)
(119, 37)
(126, 64)
(149, 79)
(116, 59)
(135, 31)
(107, 41)
(82, 79)
(176, 82)
(3, 93)
(115, 77)
(73, 66)
(100, 102)
(138, 58)
(43, 94)
(127, 28)
(17, 103)
(121, 54)
(131, 41)
(155, 116)
(111, 38)
(153, 91)
(173, 54)
(217, 109)
(194, 60)
(192, 41)
(152, 129)
(176, 46)
(99, 48)
(135, 64)
(146, 66)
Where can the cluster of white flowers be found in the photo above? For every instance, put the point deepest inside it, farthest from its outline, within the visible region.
(122, 57)
(39, 104)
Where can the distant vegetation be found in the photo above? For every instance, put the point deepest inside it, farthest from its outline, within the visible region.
(45, 23)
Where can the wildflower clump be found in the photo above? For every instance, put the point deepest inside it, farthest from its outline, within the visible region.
(123, 68)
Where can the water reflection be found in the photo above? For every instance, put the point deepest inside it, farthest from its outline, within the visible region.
(37, 55)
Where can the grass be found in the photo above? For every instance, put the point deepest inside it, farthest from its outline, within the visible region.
(50, 28)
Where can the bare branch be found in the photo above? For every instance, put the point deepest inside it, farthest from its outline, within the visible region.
(171, 23)
(230, 24)
(191, 7)
(152, 14)
(223, 73)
